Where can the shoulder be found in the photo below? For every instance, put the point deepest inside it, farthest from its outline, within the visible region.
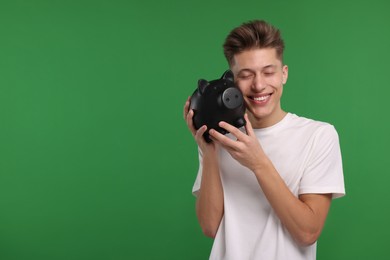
(310, 126)
(320, 138)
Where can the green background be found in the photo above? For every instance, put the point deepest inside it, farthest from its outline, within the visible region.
(96, 161)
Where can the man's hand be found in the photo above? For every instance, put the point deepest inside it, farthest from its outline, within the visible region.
(246, 149)
(198, 134)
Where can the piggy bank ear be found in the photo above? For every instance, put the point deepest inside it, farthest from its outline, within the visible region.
(202, 84)
(228, 75)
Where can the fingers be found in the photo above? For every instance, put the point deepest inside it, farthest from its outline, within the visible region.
(240, 136)
(248, 126)
(199, 134)
(236, 132)
(190, 122)
(186, 108)
(188, 115)
(233, 130)
(196, 133)
(222, 139)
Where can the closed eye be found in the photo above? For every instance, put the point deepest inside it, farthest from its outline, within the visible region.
(269, 73)
(245, 76)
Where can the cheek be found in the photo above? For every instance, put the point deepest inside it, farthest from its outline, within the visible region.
(243, 86)
(276, 82)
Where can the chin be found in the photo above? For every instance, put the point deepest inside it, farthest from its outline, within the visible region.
(258, 112)
(259, 115)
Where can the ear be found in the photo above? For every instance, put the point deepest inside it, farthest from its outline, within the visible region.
(285, 74)
(202, 84)
(228, 75)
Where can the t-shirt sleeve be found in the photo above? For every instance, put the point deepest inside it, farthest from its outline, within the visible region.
(196, 186)
(324, 171)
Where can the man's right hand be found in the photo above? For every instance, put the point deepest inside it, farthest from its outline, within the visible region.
(197, 134)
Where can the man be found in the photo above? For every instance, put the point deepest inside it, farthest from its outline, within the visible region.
(264, 191)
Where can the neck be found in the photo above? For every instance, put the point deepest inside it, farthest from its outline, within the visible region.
(270, 120)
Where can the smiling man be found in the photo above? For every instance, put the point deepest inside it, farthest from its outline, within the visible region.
(264, 191)
(261, 75)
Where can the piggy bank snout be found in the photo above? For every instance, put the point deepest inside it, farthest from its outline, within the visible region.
(232, 98)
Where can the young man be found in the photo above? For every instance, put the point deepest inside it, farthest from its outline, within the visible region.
(264, 191)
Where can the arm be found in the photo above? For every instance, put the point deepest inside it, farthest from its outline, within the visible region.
(209, 203)
(303, 217)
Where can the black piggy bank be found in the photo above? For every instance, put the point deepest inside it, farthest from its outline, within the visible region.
(215, 101)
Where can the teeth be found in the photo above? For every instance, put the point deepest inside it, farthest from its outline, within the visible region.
(261, 98)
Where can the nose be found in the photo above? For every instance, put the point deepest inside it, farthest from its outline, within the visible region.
(258, 83)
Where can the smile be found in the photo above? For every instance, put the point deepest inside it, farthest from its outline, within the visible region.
(261, 98)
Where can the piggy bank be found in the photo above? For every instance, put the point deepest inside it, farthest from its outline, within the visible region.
(217, 100)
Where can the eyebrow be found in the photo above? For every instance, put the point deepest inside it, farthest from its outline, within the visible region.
(252, 71)
(246, 70)
(269, 66)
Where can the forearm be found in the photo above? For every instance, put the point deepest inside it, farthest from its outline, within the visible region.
(209, 204)
(303, 220)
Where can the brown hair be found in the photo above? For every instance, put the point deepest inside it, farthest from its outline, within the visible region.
(252, 35)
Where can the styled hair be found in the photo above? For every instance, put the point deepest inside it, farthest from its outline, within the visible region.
(256, 34)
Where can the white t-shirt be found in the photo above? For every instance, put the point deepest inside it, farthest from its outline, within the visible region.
(306, 154)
